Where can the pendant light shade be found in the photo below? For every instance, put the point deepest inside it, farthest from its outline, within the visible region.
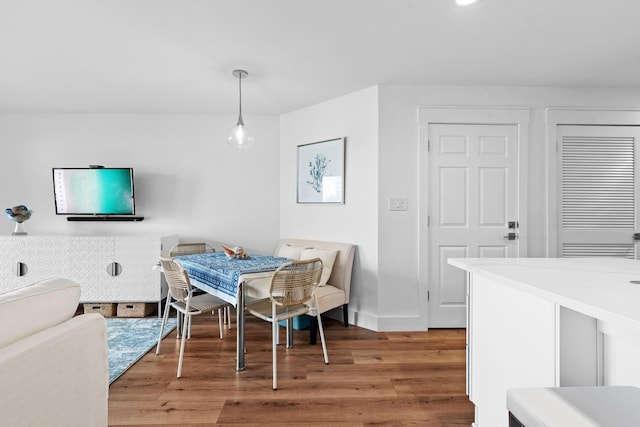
(239, 137)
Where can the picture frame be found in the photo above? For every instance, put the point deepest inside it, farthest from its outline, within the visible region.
(320, 173)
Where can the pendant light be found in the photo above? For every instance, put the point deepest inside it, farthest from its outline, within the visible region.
(239, 136)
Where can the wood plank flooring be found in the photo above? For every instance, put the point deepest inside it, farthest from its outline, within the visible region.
(397, 379)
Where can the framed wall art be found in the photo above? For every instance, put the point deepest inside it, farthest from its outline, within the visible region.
(321, 172)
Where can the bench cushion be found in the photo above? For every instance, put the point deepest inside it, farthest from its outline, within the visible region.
(329, 297)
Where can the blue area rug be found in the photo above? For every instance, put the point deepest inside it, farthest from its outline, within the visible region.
(131, 338)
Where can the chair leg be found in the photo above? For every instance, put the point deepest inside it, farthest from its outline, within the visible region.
(179, 323)
(274, 339)
(289, 332)
(165, 316)
(185, 323)
(221, 321)
(313, 326)
(324, 344)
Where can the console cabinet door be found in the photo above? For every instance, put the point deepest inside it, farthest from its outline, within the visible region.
(28, 259)
(116, 268)
(90, 258)
(138, 281)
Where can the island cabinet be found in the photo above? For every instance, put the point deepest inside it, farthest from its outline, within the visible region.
(108, 268)
(548, 322)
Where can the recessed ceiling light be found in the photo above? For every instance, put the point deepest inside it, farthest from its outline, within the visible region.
(465, 2)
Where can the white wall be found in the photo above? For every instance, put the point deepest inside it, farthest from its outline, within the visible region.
(402, 306)
(383, 162)
(399, 302)
(354, 116)
(187, 180)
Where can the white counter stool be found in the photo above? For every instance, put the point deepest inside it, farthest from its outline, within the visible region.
(607, 406)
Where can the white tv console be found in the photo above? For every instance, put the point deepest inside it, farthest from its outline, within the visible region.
(109, 269)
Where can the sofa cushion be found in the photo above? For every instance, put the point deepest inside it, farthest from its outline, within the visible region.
(328, 257)
(36, 307)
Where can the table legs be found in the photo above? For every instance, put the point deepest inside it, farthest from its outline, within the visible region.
(240, 333)
(290, 332)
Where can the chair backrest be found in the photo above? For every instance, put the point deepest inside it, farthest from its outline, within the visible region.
(191, 248)
(294, 282)
(177, 279)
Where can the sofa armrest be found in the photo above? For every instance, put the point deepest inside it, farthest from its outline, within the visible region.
(37, 307)
(58, 376)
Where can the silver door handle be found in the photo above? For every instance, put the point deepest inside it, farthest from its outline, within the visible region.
(511, 236)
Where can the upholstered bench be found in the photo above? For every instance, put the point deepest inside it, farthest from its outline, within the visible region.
(333, 291)
(335, 283)
(608, 406)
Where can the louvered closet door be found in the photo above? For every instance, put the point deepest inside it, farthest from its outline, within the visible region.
(598, 191)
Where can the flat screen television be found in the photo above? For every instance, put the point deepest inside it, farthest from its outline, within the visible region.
(93, 191)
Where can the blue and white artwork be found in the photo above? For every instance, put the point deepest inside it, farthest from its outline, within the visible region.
(321, 172)
(316, 170)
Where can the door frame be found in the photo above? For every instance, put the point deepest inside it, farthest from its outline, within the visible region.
(573, 116)
(475, 115)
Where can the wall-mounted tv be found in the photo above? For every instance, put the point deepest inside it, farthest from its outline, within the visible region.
(93, 191)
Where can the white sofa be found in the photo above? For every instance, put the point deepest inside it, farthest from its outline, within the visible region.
(54, 368)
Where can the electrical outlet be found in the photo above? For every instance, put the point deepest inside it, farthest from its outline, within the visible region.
(398, 204)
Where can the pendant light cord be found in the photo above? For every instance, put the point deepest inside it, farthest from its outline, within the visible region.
(240, 121)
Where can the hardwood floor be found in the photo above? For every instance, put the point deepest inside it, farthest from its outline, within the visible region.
(399, 379)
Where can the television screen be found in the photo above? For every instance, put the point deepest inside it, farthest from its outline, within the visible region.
(93, 191)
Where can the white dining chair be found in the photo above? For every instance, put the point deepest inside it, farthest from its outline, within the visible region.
(194, 248)
(181, 299)
(291, 294)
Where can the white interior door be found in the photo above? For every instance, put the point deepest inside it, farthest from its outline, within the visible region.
(598, 195)
(473, 188)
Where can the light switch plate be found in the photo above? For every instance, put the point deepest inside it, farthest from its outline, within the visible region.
(398, 204)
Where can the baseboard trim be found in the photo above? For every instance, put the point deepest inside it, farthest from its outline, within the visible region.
(383, 324)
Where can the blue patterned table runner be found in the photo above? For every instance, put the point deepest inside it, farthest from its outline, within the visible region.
(221, 273)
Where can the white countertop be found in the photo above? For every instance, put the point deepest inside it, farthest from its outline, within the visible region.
(575, 406)
(597, 287)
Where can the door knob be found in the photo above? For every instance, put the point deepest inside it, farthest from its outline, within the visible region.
(511, 236)
(636, 236)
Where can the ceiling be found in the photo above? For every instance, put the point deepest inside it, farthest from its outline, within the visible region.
(177, 56)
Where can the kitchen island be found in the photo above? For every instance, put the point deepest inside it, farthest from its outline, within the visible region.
(548, 322)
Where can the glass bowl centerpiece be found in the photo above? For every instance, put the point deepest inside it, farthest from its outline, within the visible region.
(19, 214)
